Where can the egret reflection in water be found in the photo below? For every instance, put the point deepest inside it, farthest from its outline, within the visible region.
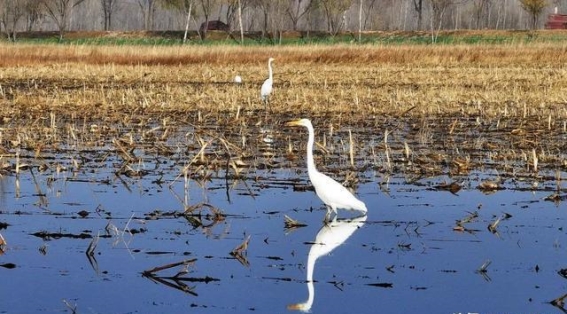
(329, 237)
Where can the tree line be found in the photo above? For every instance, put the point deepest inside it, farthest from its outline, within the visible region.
(273, 16)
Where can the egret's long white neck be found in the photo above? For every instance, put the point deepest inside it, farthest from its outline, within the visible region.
(310, 286)
(310, 161)
(306, 306)
(270, 69)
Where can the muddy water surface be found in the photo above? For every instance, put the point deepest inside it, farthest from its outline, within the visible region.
(119, 228)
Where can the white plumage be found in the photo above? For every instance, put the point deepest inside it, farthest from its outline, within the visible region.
(332, 193)
(267, 86)
(328, 238)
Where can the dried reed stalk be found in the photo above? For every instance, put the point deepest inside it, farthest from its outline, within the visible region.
(154, 270)
(351, 148)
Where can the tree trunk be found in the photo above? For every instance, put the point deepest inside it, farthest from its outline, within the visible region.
(265, 28)
(240, 22)
(187, 22)
(418, 6)
(360, 21)
(204, 33)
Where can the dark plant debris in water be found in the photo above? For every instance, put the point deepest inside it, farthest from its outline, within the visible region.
(180, 279)
(45, 235)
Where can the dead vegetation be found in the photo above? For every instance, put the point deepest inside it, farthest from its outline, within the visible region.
(114, 116)
(181, 279)
(424, 111)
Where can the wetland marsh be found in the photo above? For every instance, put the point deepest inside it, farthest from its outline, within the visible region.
(132, 178)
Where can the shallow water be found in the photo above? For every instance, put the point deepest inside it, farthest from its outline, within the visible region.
(405, 256)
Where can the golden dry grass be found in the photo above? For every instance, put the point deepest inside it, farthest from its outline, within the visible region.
(453, 105)
(443, 80)
(421, 55)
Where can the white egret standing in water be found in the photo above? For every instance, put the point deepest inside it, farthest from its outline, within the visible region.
(332, 193)
(267, 86)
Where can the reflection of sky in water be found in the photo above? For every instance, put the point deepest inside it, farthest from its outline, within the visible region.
(407, 241)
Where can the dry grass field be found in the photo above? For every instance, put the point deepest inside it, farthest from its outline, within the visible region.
(98, 82)
(470, 99)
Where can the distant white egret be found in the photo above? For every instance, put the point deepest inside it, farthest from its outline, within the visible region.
(332, 193)
(238, 79)
(328, 238)
(267, 86)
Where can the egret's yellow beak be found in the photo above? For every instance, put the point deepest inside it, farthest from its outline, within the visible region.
(294, 123)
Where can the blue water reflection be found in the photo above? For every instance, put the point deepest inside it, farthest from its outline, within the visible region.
(405, 257)
(330, 236)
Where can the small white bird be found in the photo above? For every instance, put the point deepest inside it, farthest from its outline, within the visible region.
(267, 86)
(238, 79)
(332, 193)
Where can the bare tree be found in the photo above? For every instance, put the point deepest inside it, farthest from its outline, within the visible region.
(502, 14)
(189, 8)
(335, 13)
(367, 7)
(207, 7)
(34, 13)
(240, 22)
(185, 7)
(273, 16)
(148, 9)
(364, 12)
(296, 9)
(264, 6)
(273, 13)
(234, 10)
(559, 4)
(108, 8)
(60, 11)
(438, 9)
(11, 11)
(279, 17)
(418, 6)
(533, 8)
(360, 2)
(481, 9)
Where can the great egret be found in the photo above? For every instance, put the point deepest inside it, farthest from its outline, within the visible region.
(267, 86)
(237, 79)
(332, 193)
(328, 238)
